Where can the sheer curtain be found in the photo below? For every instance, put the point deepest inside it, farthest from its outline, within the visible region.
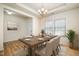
(55, 26)
(60, 27)
(49, 25)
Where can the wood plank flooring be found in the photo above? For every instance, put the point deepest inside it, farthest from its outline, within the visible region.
(1, 53)
(65, 49)
(10, 48)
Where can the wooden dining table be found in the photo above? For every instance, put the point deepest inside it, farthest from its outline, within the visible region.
(33, 42)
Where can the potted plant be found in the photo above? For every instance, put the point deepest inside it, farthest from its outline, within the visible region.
(42, 32)
(71, 36)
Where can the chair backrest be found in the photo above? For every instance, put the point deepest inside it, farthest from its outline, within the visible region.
(52, 45)
(56, 43)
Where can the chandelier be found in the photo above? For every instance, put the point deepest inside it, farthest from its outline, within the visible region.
(42, 11)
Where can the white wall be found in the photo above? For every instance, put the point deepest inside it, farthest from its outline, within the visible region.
(1, 28)
(36, 26)
(24, 27)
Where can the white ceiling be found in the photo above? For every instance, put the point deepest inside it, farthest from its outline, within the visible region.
(51, 7)
(14, 13)
(48, 6)
(32, 8)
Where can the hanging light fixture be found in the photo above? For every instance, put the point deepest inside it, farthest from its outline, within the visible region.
(9, 12)
(42, 11)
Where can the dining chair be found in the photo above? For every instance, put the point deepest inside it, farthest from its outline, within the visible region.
(46, 51)
(56, 45)
(50, 49)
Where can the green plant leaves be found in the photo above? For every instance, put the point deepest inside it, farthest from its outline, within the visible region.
(70, 35)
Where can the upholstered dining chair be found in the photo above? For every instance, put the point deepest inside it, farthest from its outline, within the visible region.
(56, 45)
(50, 49)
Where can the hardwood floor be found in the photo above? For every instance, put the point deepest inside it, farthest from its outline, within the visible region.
(65, 49)
(14, 48)
(1, 53)
(17, 48)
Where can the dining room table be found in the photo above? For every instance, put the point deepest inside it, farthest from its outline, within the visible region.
(34, 41)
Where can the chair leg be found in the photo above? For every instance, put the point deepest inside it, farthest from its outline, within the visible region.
(59, 46)
(57, 51)
(37, 55)
(53, 53)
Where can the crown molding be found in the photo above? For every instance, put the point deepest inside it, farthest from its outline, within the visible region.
(57, 8)
(10, 7)
(27, 8)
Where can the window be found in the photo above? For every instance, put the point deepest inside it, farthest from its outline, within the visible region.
(56, 27)
(49, 27)
(60, 27)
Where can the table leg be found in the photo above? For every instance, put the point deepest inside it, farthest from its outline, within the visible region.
(30, 51)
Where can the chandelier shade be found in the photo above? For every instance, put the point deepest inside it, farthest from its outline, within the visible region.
(42, 11)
